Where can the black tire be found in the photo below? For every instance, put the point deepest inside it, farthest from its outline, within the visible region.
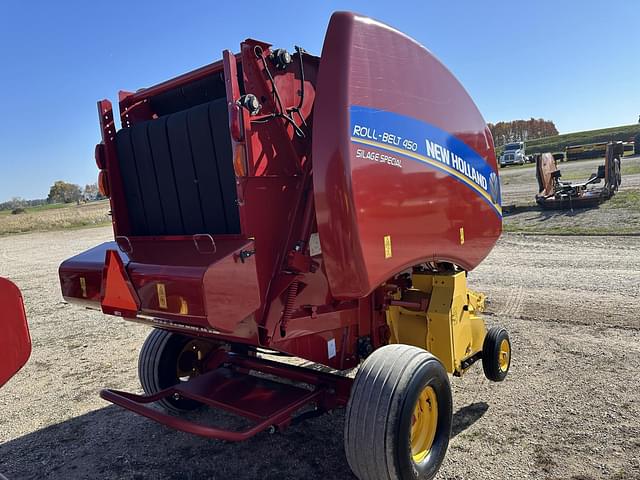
(379, 416)
(617, 173)
(494, 365)
(158, 367)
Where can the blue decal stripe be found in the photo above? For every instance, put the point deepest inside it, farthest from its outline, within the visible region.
(434, 163)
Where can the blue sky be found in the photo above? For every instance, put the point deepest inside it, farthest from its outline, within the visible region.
(574, 62)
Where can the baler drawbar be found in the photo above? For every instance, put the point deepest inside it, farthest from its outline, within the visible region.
(277, 204)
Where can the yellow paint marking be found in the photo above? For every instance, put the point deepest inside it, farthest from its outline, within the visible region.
(162, 295)
(461, 235)
(184, 307)
(387, 247)
(83, 286)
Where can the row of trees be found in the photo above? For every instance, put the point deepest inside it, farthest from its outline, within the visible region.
(63, 192)
(522, 130)
(17, 202)
(60, 192)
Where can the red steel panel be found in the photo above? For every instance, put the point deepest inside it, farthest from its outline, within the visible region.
(15, 342)
(146, 93)
(326, 337)
(231, 290)
(374, 179)
(81, 275)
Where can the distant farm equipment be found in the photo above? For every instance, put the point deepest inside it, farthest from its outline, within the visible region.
(558, 157)
(553, 193)
(631, 148)
(595, 150)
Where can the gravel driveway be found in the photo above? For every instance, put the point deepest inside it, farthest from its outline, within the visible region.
(570, 408)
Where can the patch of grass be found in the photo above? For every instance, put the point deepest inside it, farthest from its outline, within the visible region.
(49, 206)
(558, 143)
(619, 215)
(56, 217)
(517, 167)
(40, 208)
(629, 169)
(583, 173)
(620, 229)
(628, 199)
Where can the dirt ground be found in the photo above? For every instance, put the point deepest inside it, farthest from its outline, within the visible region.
(570, 408)
(621, 214)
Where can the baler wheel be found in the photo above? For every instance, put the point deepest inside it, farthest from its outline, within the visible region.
(398, 419)
(168, 358)
(496, 354)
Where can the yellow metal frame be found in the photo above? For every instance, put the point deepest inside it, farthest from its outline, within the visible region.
(451, 327)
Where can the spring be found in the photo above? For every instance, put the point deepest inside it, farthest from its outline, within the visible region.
(292, 293)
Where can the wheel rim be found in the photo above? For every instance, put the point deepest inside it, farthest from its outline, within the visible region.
(504, 356)
(423, 424)
(191, 359)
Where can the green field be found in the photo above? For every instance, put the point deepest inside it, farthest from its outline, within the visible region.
(57, 216)
(558, 143)
(39, 208)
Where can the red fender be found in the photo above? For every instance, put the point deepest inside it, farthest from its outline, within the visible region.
(15, 342)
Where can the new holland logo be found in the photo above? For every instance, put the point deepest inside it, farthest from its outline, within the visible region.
(494, 188)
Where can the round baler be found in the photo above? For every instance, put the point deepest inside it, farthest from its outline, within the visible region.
(281, 204)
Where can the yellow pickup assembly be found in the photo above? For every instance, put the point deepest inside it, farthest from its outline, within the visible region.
(440, 314)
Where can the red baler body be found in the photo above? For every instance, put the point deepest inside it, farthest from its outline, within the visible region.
(250, 229)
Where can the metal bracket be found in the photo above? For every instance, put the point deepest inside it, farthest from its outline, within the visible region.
(244, 254)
